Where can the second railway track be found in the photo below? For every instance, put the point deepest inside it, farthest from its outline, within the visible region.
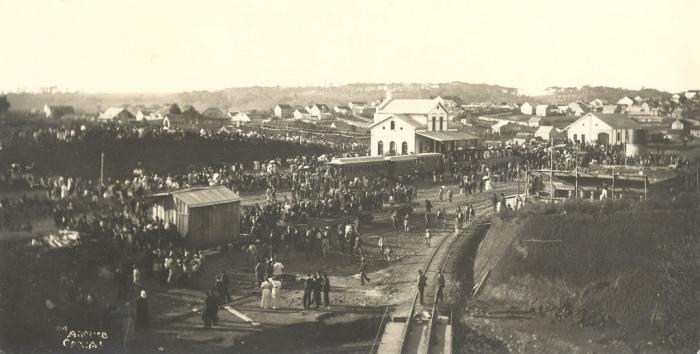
(427, 326)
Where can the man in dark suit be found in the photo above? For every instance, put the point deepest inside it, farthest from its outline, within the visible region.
(317, 289)
(441, 286)
(308, 286)
(211, 309)
(326, 290)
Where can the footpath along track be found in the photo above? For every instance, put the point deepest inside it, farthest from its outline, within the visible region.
(427, 327)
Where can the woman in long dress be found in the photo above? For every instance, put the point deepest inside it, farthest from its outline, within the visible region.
(266, 301)
(276, 286)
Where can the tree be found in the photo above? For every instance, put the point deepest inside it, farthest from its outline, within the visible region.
(174, 109)
(4, 104)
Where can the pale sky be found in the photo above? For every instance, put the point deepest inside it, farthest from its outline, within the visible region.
(173, 45)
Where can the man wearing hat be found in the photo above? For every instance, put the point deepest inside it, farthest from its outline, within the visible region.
(440, 287)
(141, 314)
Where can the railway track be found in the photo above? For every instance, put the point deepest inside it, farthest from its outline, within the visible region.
(428, 326)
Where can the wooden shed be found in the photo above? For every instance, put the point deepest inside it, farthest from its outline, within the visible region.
(205, 216)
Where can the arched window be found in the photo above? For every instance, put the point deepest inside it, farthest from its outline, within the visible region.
(404, 148)
(433, 123)
(392, 126)
(380, 148)
(441, 118)
(392, 148)
(576, 138)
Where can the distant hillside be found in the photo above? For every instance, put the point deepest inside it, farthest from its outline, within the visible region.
(246, 98)
(265, 98)
(85, 102)
(589, 93)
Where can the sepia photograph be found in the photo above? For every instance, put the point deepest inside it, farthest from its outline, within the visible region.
(349, 176)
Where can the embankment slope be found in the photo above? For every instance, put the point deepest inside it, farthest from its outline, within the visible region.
(637, 270)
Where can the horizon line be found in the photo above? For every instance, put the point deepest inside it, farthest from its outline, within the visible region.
(519, 90)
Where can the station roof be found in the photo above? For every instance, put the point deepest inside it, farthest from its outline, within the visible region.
(448, 135)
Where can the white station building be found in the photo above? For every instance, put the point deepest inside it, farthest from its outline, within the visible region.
(410, 126)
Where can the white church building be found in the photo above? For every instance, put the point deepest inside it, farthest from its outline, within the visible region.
(410, 126)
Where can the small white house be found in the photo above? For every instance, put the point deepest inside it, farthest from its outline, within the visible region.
(578, 108)
(358, 107)
(237, 116)
(117, 115)
(543, 110)
(534, 122)
(319, 111)
(301, 113)
(57, 111)
(547, 133)
(498, 127)
(596, 104)
(522, 138)
(611, 109)
(283, 111)
(625, 101)
(680, 124)
(526, 108)
(342, 110)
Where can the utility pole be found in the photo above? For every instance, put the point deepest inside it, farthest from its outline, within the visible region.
(576, 177)
(551, 175)
(645, 187)
(697, 177)
(102, 168)
(518, 180)
(612, 191)
(527, 182)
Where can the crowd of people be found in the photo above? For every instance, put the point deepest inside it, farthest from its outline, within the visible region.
(568, 156)
(71, 131)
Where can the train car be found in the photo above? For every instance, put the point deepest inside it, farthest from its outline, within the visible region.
(429, 162)
(402, 165)
(369, 166)
(489, 156)
(387, 166)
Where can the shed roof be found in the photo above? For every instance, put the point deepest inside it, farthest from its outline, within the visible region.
(205, 196)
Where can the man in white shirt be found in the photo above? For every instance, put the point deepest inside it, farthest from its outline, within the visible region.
(277, 269)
